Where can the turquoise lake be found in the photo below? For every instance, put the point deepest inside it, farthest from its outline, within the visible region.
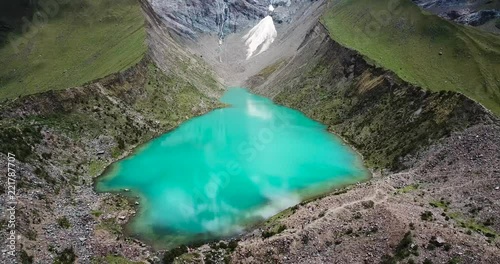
(221, 172)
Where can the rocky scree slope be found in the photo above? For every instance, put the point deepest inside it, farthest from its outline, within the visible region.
(380, 115)
(214, 31)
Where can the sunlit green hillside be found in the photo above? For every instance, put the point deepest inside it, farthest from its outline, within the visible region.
(421, 48)
(82, 40)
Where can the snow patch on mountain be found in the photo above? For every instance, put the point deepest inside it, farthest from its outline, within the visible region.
(262, 35)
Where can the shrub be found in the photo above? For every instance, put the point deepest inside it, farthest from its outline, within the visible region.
(388, 259)
(447, 246)
(31, 235)
(67, 256)
(406, 247)
(47, 155)
(64, 222)
(25, 258)
(489, 221)
(96, 213)
(427, 216)
(368, 204)
(170, 255)
(232, 245)
(273, 231)
(357, 215)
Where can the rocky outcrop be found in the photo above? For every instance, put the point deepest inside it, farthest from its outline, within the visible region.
(478, 18)
(433, 154)
(169, 54)
(473, 13)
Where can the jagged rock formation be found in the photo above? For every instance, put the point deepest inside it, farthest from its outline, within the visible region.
(220, 17)
(477, 18)
(474, 13)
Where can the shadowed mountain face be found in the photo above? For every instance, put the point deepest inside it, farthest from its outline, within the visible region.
(481, 13)
(11, 16)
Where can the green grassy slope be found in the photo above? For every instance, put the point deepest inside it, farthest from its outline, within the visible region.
(82, 41)
(421, 48)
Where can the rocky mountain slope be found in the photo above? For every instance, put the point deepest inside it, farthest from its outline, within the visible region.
(420, 48)
(426, 149)
(63, 139)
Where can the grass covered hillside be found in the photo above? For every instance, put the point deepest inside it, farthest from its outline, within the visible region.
(420, 47)
(69, 44)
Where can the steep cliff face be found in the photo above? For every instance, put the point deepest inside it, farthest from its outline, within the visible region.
(214, 31)
(222, 17)
(172, 57)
